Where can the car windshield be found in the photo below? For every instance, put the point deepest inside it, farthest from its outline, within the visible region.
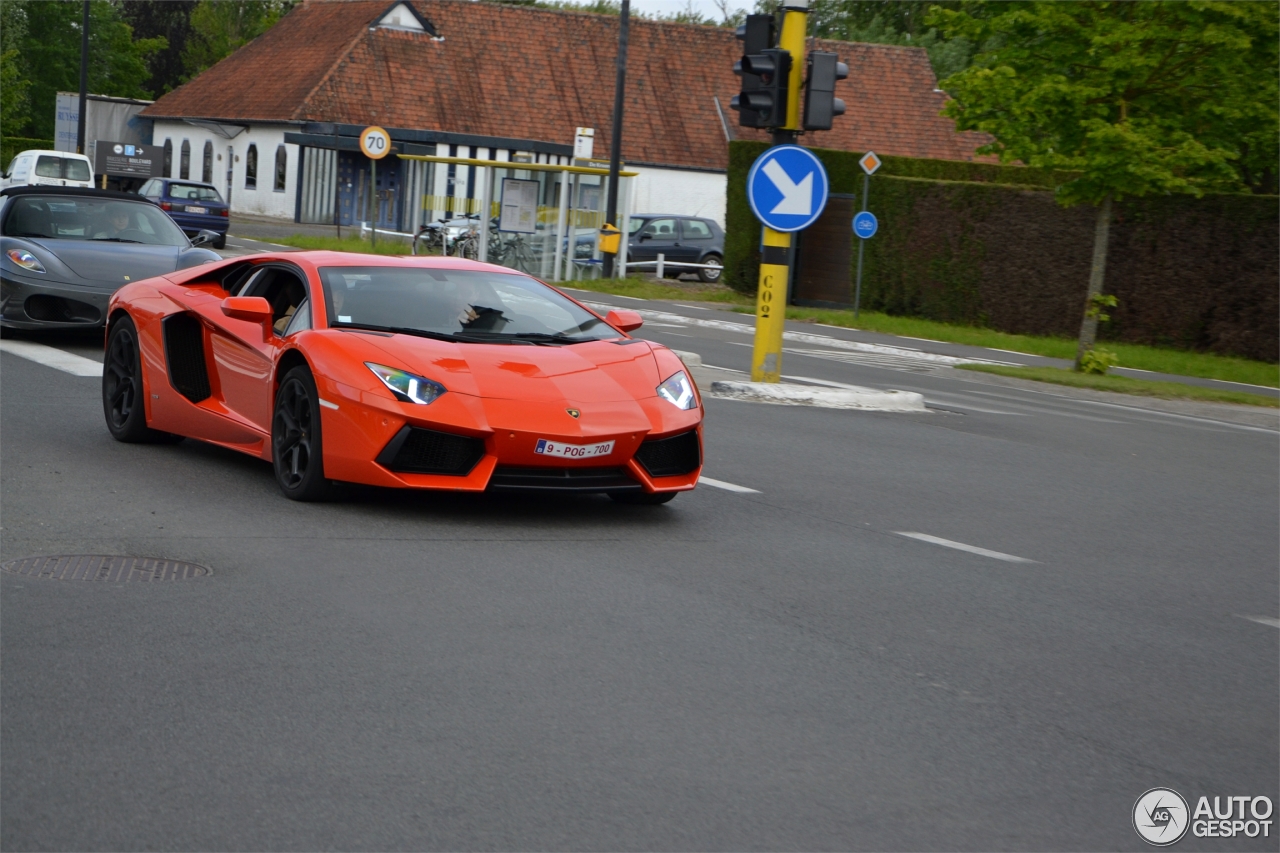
(635, 225)
(193, 192)
(70, 218)
(461, 305)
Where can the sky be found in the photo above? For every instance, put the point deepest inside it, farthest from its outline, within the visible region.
(706, 7)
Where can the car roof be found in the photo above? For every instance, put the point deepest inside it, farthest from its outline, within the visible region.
(78, 191)
(51, 151)
(188, 182)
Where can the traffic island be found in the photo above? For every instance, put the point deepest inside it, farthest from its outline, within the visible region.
(788, 394)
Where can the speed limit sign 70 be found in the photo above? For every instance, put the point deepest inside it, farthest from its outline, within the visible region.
(375, 142)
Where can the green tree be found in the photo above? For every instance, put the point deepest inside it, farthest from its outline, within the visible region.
(1127, 99)
(168, 18)
(51, 52)
(15, 103)
(221, 27)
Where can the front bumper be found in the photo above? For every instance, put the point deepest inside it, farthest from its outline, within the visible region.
(43, 303)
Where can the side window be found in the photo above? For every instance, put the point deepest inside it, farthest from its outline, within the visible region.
(145, 189)
(695, 229)
(251, 168)
(13, 164)
(283, 289)
(184, 169)
(206, 169)
(74, 169)
(301, 320)
(48, 167)
(660, 229)
(282, 167)
(168, 158)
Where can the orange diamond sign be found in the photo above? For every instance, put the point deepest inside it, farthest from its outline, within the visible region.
(869, 163)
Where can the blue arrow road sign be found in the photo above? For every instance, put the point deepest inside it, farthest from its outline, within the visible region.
(865, 224)
(787, 188)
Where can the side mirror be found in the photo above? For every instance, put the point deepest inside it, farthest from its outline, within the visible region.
(254, 309)
(203, 236)
(624, 320)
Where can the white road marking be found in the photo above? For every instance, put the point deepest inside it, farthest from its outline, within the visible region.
(1135, 410)
(1012, 352)
(67, 362)
(728, 487)
(620, 296)
(1261, 620)
(694, 307)
(653, 323)
(327, 404)
(960, 546)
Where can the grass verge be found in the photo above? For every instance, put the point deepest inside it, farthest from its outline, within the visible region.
(1125, 385)
(644, 288)
(1157, 359)
(386, 245)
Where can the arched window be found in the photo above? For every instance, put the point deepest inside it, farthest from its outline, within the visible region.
(251, 168)
(282, 167)
(206, 172)
(168, 158)
(184, 169)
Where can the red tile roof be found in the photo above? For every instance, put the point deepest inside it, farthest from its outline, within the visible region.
(516, 72)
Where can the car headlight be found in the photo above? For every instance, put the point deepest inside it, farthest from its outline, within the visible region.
(678, 391)
(407, 387)
(25, 259)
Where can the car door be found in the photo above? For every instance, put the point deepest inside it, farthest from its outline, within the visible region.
(658, 236)
(243, 355)
(695, 238)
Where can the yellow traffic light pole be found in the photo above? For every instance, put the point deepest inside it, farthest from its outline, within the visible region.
(775, 269)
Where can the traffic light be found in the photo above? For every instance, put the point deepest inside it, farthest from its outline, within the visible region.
(764, 70)
(820, 102)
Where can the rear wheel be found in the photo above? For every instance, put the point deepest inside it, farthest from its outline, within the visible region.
(711, 275)
(296, 449)
(122, 396)
(220, 243)
(643, 498)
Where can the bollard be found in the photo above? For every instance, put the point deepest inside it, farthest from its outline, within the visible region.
(661, 259)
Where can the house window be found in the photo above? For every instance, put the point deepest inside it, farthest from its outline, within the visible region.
(251, 168)
(168, 158)
(282, 167)
(206, 171)
(184, 169)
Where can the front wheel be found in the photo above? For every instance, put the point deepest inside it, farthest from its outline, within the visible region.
(296, 448)
(643, 498)
(712, 275)
(122, 396)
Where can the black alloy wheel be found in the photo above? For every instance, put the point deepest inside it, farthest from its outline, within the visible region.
(296, 449)
(712, 275)
(122, 395)
(643, 498)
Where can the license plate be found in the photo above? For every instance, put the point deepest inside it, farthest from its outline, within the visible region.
(573, 451)
(194, 209)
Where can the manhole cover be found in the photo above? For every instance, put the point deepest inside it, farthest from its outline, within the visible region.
(93, 567)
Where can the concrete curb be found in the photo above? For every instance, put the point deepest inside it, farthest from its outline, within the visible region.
(785, 394)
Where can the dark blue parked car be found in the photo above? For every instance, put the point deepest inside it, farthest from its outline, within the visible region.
(195, 206)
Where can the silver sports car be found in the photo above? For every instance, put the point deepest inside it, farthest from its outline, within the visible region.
(65, 250)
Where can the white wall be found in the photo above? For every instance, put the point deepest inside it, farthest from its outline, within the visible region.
(687, 193)
(265, 200)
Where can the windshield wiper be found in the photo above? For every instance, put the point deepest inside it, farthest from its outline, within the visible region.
(404, 330)
(113, 240)
(545, 338)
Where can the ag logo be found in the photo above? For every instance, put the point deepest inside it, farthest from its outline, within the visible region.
(573, 413)
(1160, 816)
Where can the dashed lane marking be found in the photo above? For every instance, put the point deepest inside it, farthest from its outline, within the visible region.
(960, 546)
(58, 359)
(728, 487)
(1261, 620)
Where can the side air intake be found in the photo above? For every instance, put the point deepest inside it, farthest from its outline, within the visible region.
(424, 451)
(669, 457)
(184, 355)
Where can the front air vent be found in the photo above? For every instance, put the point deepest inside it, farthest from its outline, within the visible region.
(58, 309)
(184, 355)
(424, 451)
(508, 478)
(669, 457)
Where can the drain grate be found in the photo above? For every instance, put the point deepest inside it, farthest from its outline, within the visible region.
(94, 567)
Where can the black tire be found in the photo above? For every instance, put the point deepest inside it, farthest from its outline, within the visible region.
(296, 443)
(220, 243)
(123, 401)
(643, 498)
(712, 276)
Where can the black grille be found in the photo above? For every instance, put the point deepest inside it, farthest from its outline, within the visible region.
(184, 353)
(425, 451)
(507, 478)
(667, 457)
(56, 309)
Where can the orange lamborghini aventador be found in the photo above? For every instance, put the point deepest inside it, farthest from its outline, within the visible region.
(425, 373)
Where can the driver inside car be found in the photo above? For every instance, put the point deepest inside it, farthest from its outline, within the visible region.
(118, 222)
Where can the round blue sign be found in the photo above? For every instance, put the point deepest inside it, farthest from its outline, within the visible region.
(865, 224)
(787, 188)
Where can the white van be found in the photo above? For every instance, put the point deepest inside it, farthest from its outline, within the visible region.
(48, 168)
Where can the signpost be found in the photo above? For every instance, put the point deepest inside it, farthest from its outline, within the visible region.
(787, 189)
(865, 223)
(376, 144)
(127, 160)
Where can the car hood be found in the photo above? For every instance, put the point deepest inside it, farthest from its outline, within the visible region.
(595, 372)
(113, 262)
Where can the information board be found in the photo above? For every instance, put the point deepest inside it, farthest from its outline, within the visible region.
(519, 206)
(128, 160)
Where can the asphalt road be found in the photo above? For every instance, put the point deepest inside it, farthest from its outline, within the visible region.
(777, 669)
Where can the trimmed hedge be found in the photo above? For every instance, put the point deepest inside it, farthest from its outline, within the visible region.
(11, 145)
(987, 245)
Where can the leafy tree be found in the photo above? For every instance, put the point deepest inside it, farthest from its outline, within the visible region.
(170, 19)
(221, 27)
(51, 51)
(15, 103)
(1124, 99)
